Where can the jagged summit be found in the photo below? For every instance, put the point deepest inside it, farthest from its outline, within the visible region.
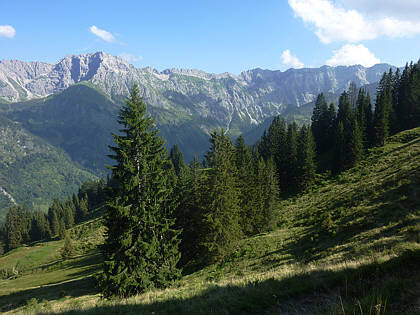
(26, 80)
(234, 102)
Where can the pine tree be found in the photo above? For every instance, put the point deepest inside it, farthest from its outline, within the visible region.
(306, 158)
(339, 149)
(68, 248)
(243, 160)
(413, 103)
(17, 226)
(320, 124)
(332, 125)
(269, 192)
(355, 145)
(345, 112)
(288, 175)
(69, 211)
(352, 93)
(189, 192)
(383, 109)
(61, 229)
(40, 228)
(141, 247)
(83, 209)
(177, 159)
(221, 219)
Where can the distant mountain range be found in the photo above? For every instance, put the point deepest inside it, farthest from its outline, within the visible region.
(72, 105)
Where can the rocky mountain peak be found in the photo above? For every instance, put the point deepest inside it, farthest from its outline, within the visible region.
(252, 96)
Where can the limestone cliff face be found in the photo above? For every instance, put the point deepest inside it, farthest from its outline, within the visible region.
(248, 98)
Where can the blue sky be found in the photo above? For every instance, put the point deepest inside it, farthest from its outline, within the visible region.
(215, 36)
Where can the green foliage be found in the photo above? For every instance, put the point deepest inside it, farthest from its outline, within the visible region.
(354, 236)
(221, 217)
(293, 152)
(141, 248)
(322, 121)
(189, 192)
(68, 249)
(305, 158)
(17, 226)
(78, 120)
(175, 155)
(32, 171)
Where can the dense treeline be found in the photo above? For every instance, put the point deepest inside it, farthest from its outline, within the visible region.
(24, 226)
(347, 134)
(292, 150)
(234, 197)
(163, 215)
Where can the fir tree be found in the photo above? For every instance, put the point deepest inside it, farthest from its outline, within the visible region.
(83, 209)
(221, 219)
(189, 191)
(141, 247)
(383, 109)
(288, 175)
(355, 146)
(305, 158)
(40, 228)
(353, 94)
(17, 226)
(68, 248)
(177, 159)
(320, 124)
(339, 149)
(245, 183)
(269, 192)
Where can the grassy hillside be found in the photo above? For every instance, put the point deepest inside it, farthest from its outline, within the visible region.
(32, 171)
(349, 246)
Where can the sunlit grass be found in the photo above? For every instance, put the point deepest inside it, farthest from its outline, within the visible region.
(351, 245)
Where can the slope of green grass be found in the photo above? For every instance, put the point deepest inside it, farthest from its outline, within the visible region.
(350, 246)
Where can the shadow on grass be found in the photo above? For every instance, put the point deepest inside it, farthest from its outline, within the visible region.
(395, 281)
(49, 292)
(393, 215)
(84, 267)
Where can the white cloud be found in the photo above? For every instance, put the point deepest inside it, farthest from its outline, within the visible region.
(7, 31)
(337, 23)
(289, 60)
(353, 55)
(105, 35)
(130, 58)
(405, 10)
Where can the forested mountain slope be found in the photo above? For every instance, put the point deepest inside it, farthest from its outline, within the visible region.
(349, 243)
(32, 171)
(183, 102)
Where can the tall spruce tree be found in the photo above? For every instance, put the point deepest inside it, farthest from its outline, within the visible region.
(288, 175)
(320, 124)
(141, 247)
(383, 109)
(221, 219)
(339, 148)
(268, 194)
(306, 158)
(189, 192)
(244, 165)
(175, 155)
(355, 145)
